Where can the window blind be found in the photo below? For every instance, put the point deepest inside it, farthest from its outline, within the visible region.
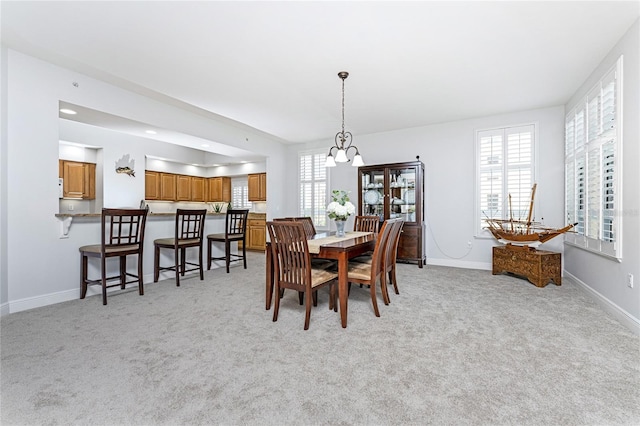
(592, 144)
(505, 158)
(313, 187)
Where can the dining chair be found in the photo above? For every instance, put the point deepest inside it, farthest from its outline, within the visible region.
(293, 269)
(370, 273)
(122, 236)
(307, 222)
(235, 230)
(366, 224)
(189, 228)
(391, 253)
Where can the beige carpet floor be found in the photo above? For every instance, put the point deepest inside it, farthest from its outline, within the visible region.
(456, 347)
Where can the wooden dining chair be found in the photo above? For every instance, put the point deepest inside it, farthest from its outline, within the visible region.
(370, 273)
(235, 230)
(391, 253)
(366, 224)
(122, 236)
(307, 222)
(189, 229)
(292, 266)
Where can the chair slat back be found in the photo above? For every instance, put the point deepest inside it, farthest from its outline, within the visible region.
(392, 242)
(189, 224)
(377, 258)
(123, 226)
(307, 222)
(291, 253)
(236, 222)
(366, 224)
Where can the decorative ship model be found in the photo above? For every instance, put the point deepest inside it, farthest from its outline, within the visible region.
(524, 233)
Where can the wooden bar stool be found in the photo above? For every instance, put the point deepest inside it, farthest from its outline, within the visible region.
(188, 233)
(122, 235)
(235, 230)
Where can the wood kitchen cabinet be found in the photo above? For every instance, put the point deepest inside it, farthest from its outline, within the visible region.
(183, 188)
(160, 186)
(257, 187)
(168, 185)
(256, 234)
(151, 185)
(396, 190)
(79, 179)
(197, 188)
(219, 189)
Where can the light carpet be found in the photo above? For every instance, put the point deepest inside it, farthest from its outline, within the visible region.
(456, 347)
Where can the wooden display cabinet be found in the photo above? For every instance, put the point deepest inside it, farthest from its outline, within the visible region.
(396, 190)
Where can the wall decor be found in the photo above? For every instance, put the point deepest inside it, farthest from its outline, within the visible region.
(126, 165)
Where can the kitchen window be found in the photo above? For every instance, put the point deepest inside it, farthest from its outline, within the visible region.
(240, 193)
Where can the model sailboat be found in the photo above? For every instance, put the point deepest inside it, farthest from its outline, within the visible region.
(523, 232)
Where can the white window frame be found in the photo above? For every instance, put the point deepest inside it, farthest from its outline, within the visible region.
(593, 167)
(240, 188)
(318, 202)
(501, 170)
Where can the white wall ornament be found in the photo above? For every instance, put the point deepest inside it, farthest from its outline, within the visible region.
(126, 165)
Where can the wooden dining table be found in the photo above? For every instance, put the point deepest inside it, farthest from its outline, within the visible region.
(348, 247)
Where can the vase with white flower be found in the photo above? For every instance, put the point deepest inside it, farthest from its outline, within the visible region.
(340, 209)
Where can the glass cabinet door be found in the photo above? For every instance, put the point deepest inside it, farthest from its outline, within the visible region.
(402, 193)
(373, 192)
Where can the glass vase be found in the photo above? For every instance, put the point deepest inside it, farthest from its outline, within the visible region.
(340, 227)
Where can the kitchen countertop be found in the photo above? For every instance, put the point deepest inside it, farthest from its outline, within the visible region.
(251, 215)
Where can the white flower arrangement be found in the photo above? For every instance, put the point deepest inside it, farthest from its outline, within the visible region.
(340, 208)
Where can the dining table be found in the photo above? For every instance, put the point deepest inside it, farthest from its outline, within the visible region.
(326, 245)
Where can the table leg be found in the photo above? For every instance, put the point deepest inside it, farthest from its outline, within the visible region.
(343, 286)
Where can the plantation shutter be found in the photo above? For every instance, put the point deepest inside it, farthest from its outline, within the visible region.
(313, 187)
(505, 159)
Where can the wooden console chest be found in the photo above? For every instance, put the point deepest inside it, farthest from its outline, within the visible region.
(538, 266)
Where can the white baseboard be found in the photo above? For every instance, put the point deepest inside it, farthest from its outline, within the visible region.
(44, 300)
(632, 323)
(460, 264)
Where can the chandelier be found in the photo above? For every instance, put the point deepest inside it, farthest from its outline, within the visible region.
(343, 140)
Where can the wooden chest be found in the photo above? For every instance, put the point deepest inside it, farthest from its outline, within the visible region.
(538, 266)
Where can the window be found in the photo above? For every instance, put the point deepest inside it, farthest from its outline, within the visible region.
(505, 164)
(240, 193)
(592, 144)
(313, 187)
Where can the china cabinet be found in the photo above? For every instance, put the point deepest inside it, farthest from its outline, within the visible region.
(396, 190)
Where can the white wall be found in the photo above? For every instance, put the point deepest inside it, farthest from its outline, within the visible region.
(38, 267)
(447, 151)
(605, 277)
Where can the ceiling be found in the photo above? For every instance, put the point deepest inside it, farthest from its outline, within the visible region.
(273, 65)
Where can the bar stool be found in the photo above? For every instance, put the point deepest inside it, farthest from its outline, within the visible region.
(122, 235)
(188, 233)
(235, 230)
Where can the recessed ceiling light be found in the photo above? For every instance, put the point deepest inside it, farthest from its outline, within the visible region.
(151, 132)
(67, 111)
(244, 162)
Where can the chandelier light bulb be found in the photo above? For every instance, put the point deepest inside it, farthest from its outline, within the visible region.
(341, 156)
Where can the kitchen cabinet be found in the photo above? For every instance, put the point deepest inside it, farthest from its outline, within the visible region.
(256, 234)
(257, 187)
(396, 190)
(168, 186)
(151, 185)
(183, 188)
(79, 179)
(219, 189)
(197, 188)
